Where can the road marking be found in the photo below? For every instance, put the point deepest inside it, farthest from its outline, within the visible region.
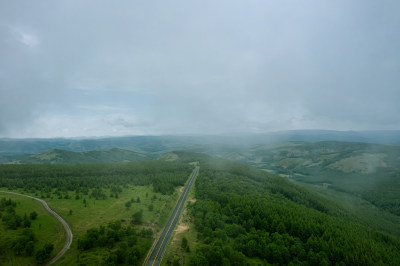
(169, 228)
(186, 191)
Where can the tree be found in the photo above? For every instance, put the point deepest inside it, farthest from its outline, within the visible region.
(133, 256)
(33, 215)
(184, 243)
(44, 253)
(26, 222)
(138, 216)
(176, 262)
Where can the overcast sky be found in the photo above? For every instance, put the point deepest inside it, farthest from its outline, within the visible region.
(96, 68)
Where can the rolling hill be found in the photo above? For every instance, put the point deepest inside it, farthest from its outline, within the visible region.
(57, 156)
(370, 171)
(239, 215)
(161, 144)
(363, 178)
(244, 215)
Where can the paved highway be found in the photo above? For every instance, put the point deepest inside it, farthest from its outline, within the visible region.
(161, 245)
(68, 232)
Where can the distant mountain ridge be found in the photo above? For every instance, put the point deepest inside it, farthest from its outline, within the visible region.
(158, 145)
(57, 156)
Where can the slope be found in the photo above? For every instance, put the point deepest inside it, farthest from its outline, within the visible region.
(244, 215)
(68, 157)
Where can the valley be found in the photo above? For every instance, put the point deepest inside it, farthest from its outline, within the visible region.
(199, 133)
(296, 202)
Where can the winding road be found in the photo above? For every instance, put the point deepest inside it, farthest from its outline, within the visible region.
(68, 231)
(157, 252)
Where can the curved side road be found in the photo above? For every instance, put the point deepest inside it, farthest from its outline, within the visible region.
(68, 231)
(156, 254)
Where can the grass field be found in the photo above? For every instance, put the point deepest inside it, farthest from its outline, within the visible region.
(96, 213)
(46, 228)
(101, 212)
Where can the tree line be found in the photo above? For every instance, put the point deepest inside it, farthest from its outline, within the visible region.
(164, 176)
(243, 214)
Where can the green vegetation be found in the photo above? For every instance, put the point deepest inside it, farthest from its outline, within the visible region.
(43, 254)
(118, 244)
(94, 195)
(9, 216)
(185, 229)
(363, 171)
(369, 171)
(334, 203)
(69, 157)
(360, 210)
(244, 215)
(92, 179)
(24, 236)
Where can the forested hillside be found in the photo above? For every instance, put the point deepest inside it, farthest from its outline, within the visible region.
(244, 215)
(367, 171)
(159, 145)
(57, 156)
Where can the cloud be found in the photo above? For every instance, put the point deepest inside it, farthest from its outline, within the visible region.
(197, 67)
(100, 108)
(26, 38)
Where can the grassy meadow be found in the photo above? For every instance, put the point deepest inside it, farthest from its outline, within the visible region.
(46, 228)
(96, 213)
(101, 212)
(132, 198)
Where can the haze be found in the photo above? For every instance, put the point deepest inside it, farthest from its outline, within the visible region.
(96, 68)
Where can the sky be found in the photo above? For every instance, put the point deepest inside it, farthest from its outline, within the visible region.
(116, 68)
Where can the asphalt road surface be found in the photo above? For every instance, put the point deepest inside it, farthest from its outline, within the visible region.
(157, 252)
(68, 232)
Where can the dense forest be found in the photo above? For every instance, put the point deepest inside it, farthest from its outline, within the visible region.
(245, 215)
(42, 179)
(368, 171)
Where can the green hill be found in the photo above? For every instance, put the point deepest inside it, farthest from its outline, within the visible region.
(362, 178)
(68, 157)
(161, 144)
(244, 215)
(369, 171)
(347, 157)
(241, 214)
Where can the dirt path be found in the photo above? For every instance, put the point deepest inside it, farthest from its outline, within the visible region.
(180, 229)
(68, 231)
